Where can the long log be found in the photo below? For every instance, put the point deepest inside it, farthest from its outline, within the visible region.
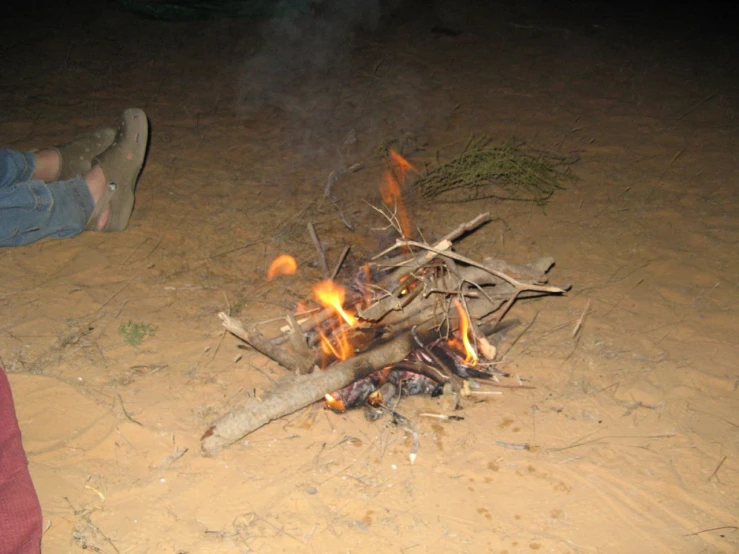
(296, 392)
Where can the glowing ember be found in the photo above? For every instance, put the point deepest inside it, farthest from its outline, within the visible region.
(464, 332)
(331, 295)
(335, 404)
(390, 190)
(282, 265)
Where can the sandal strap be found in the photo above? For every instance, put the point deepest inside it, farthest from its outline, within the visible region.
(108, 193)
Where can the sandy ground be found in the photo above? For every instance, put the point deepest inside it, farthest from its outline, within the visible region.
(634, 424)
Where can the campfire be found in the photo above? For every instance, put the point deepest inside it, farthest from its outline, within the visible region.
(417, 318)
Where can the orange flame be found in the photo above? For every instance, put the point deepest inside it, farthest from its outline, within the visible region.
(282, 265)
(340, 347)
(331, 295)
(401, 164)
(464, 332)
(335, 404)
(390, 189)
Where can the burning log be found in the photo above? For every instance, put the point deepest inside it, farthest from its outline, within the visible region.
(391, 322)
(292, 394)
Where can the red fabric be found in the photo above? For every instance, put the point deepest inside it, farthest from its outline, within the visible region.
(20, 511)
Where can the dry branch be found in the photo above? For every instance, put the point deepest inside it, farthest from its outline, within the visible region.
(415, 305)
(322, 264)
(297, 392)
(393, 308)
(256, 340)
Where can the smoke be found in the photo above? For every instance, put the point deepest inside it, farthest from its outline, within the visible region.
(302, 54)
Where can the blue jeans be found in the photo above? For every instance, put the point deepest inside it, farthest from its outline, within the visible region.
(31, 209)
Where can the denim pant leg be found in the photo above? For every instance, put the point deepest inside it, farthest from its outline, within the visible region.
(31, 209)
(15, 167)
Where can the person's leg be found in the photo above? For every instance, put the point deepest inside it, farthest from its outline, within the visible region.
(102, 199)
(32, 207)
(65, 161)
(31, 210)
(20, 512)
(47, 164)
(57, 163)
(15, 167)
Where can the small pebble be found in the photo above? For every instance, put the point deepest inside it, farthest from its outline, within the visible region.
(311, 490)
(361, 525)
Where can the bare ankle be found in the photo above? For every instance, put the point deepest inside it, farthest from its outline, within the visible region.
(95, 180)
(46, 165)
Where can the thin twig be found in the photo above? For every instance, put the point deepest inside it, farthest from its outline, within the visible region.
(514, 445)
(172, 458)
(521, 334)
(340, 262)
(257, 341)
(497, 385)
(507, 306)
(322, 265)
(466, 227)
(297, 337)
(132, 420)
(578, 325)
(464, 259)
(392, 218)
(732, 527)
(406, 425)
(689, 111)
(343, 218)
(598, 439)
(715, 471)
(442, 416)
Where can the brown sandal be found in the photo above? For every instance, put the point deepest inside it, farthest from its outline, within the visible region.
(121, 164)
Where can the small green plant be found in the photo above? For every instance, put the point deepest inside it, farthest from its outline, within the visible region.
(134, 333)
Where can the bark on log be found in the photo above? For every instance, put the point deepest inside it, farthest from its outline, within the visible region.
(297, 392)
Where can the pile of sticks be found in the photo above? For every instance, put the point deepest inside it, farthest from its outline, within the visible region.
(408, 296)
